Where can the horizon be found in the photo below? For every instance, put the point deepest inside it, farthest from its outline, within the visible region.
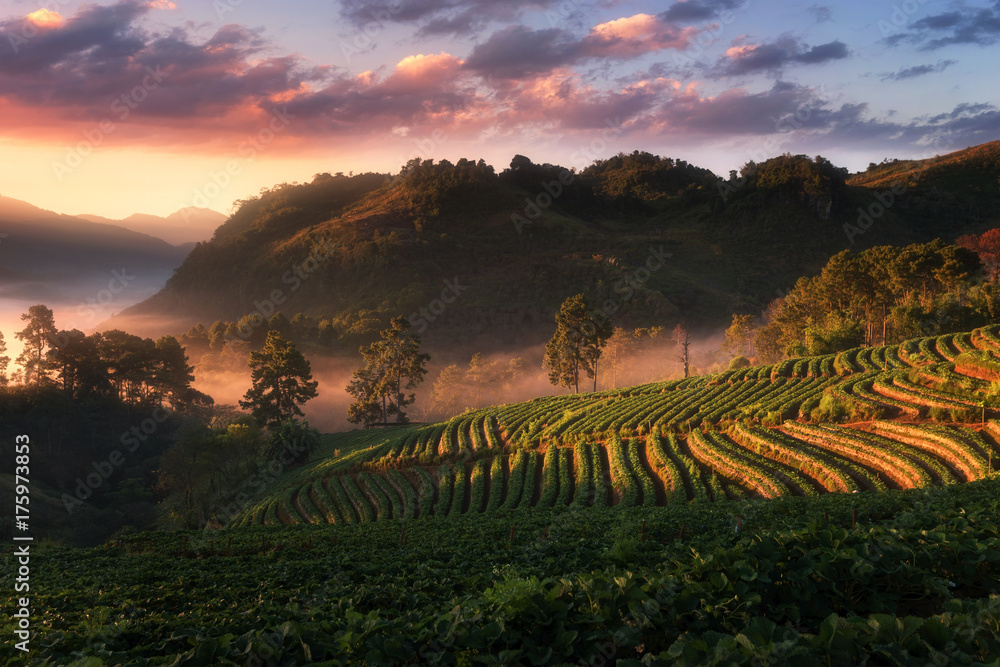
(221, 101)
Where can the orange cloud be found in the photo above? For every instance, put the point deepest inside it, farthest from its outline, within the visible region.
(420, 66)
(43, 18)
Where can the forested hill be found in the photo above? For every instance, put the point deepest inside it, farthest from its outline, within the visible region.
(489, 256)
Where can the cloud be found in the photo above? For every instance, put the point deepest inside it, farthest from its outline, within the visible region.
(518, 51)
(519, 83)
(736, 111)
(821, 13)
(421, 89)
(43, 18)
(690, 11)
(438, 17)
(806, 117)
(917, 70)
(81, 67)
(978, 26)
(746, 58)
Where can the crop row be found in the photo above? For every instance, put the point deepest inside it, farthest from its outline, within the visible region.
(706, 449)
(779, 447)
(897, 467)
(941, 443)
(662, 467)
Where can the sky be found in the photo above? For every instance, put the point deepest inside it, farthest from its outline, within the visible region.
(113, 108)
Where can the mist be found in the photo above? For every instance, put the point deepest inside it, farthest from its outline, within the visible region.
(328, 411)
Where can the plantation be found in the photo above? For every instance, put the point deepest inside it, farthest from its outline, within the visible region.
(896, 417)
(903, 577)
(826, 510)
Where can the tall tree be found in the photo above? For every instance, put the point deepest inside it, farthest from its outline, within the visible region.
(577, 343)
(172, 376)
(78, 365)
(4, 361)
(282, 381)
(393, 364)
(683, 340)
(38, 337)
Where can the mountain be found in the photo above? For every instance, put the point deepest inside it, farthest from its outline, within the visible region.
(187, 226)
(62, 260)
(960, 186)
(478, 257)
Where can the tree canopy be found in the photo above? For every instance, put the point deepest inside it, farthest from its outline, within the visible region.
(282, 381)
(576, 345)
(393, 364)
(881, 295)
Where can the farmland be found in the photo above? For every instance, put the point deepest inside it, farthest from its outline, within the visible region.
(866, 419)
(819, 511)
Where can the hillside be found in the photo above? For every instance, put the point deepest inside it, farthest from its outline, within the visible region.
(962, 185)
(519, 242)
(867, 419)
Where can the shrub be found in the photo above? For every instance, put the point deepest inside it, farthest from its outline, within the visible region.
(739, 362)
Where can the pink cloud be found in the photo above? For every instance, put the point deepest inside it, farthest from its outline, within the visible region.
(635, 35)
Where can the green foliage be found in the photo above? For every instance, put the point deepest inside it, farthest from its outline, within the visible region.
(379, 388)
(282, 381)
(915, 581)
(576, 345)
(739, 362)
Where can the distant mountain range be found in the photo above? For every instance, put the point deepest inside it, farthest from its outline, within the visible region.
(187, 226)
(89, 266)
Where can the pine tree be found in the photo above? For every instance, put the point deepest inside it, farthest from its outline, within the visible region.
(38, 337)
(282, 381)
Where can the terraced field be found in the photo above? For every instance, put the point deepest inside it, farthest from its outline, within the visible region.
(867, 419)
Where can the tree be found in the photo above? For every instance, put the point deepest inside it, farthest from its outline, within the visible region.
(683, 340)
(492, 376)
(78, 365)
(987, 246)
(282, 381)
(389, 361)
(619, 346)
(576, 345)
(172, 376)
(739, 336)
(4, 361)
(449, 391)
(38, 336)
